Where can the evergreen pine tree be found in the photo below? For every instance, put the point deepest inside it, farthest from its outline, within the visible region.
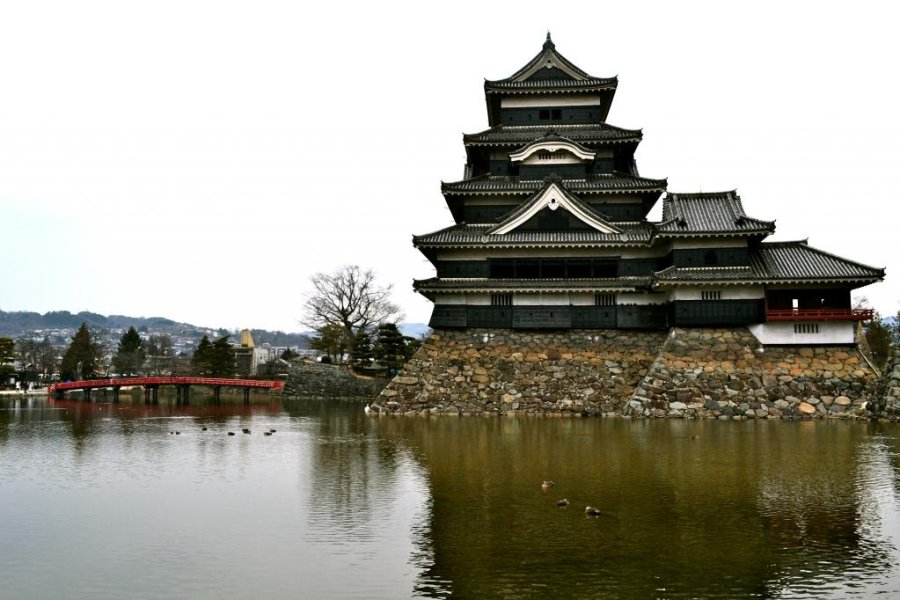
(392, 348)
(81, 359)
(129, 358)
(222, 362)
(7, 356)
(362, 351)
(201, 363)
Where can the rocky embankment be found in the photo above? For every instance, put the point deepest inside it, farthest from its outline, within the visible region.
(887, 404)
(316, 381)
(688, 373)
(501, 371)
(725, 373)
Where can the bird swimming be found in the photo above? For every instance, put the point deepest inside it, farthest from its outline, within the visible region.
(562, 503)
(590, 511)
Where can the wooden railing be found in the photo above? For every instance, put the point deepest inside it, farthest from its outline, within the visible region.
(144, 381)
(820, 314)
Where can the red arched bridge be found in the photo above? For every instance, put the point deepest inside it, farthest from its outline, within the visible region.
(151, 386)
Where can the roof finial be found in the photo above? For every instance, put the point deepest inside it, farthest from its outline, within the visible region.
(548, 45)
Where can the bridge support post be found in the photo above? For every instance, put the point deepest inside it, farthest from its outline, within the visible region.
(155, 391)
(116, 395)
(59, 395)
(146, 394)
(186, 394)
(87, 394)
(217, 394)
(246, 395)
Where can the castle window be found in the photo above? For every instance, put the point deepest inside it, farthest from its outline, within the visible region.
(604, 299)
(710, 295)
(806, 328)
(550, 114)
(501, 299)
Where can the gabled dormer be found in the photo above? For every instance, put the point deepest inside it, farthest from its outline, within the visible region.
(553, 155)
(553, 208)
(549, 89)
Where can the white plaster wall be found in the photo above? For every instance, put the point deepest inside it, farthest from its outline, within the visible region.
(560, 157)
(450, 299)
(782, 333)
(550, 100)
(728, 293)
(709, 243)
(641, 299)
(581, 299)
(540, 300)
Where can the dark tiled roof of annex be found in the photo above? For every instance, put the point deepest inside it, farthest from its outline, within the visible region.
(709, 213)
(778, 262)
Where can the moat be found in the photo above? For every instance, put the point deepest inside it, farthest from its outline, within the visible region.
(106, 501)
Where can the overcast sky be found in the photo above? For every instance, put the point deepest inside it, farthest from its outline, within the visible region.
(200, 160)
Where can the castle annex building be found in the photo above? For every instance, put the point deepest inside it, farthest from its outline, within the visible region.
(551, 232)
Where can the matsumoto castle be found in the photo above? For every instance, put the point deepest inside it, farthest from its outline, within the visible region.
(551, 232)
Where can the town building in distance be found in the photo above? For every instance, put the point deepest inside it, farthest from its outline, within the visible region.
(551, 232)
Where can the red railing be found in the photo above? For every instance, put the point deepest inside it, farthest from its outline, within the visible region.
(820, 314)
(130, 381)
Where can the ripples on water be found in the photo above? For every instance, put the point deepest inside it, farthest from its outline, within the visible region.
(103, 501)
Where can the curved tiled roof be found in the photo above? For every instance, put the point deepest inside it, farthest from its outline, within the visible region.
(575, 79)
(530, 285)
(476, 236)
(778, 262)
(498, 184)
(708, 213)
(519, 135)
(799, 261)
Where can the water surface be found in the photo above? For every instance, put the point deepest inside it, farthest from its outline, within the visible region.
(106, 501)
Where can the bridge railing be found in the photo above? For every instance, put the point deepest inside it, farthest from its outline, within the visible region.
(144, 381)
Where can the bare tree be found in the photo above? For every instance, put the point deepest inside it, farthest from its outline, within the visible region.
(351, 299)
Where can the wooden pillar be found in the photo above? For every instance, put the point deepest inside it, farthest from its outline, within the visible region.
(217, 394)
(116, 395)
(246, 395)
(186, 394)
(87, 394)
(146, 394)
(155, 392)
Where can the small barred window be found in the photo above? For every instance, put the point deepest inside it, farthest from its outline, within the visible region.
(604, 299)
(806, 328)
(501, 299)
(711, 295)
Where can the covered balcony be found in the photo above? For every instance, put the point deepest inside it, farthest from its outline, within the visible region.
(813, 305)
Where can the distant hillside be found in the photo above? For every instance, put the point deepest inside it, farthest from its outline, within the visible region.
(14, 324)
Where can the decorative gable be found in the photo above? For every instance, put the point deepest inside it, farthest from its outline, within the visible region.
(552, 149)
(553, 197)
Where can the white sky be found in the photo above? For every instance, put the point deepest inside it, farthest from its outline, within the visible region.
(200, 160)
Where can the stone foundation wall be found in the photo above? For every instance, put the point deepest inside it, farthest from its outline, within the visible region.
(887, 405)
(687, 373)
(317, 381)
(499, 371)
(725, 373)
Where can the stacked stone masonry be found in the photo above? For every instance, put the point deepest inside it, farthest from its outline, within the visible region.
(316, 381)
(687, 373)
(887, 405)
